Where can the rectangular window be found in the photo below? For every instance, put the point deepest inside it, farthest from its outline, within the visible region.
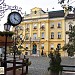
(42, 35)
(52, 35)
(59, 35)
(42, 46)
(52, 46)
(34, 36)
(42, 26)
(35, 26)
(70, 27)
(26, 46)
(58, 46)
(27, 26)
(52, 25)
(27, 36)
(59, 25)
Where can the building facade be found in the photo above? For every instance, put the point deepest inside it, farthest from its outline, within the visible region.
(69, 23)
(43, 31)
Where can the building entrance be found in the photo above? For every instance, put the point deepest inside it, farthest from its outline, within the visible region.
(34, 50)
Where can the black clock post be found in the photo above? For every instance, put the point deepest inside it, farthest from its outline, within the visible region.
(14, 19)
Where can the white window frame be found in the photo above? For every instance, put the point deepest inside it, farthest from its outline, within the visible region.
(52, 35)
(59, 35)
(34, 26)
(52, 25)
(42, 25)
(34, 35)
(59, 25)
(52, 46)
(42, 45)
(27, 36)
(27, 26)
(26, 45)
(43, 35)
(59, 45)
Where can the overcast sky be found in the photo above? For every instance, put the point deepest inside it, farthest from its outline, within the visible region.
(27, 5)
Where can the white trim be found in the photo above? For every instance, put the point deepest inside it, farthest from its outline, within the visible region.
(56, 18)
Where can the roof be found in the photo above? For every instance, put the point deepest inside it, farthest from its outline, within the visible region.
(56, 14)
(70, 16)
(2, 41)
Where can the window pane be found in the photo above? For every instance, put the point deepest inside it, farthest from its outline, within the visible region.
(43, 35)
(52, 25)
(59, 25)
(59, 46)
(27, 36)
(42, 46)
(34, 35)
(35, 26)
(52, 35)
(27, 25)
(70, 27)
(42, 25)
(26, 45)
(52, 46)
(59, 35)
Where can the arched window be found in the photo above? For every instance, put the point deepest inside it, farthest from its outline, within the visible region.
(70, 27)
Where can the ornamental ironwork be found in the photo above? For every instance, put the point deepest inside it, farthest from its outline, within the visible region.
(4, 7)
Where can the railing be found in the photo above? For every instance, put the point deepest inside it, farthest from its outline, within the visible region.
(21, 64)
(69, 68)
(35, 39)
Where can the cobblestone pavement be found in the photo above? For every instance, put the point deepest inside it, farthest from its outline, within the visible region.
(40, 64)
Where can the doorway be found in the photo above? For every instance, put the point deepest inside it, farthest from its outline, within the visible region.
(34, 50)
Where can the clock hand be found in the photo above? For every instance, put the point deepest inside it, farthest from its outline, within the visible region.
(15, 19)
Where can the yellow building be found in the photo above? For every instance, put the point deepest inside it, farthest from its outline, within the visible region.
(43, 31)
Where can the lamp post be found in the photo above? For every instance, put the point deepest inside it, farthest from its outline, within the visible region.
(7, 28)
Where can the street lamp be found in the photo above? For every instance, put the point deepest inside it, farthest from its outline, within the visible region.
(7, 28)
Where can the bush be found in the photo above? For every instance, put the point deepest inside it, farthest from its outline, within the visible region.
(55, 62)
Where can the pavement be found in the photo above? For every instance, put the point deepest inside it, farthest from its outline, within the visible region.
(40, 64)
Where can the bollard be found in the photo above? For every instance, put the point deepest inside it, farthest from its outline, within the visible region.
(22, 65)
(27, 59)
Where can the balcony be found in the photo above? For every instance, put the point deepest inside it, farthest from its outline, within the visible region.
(35, 39)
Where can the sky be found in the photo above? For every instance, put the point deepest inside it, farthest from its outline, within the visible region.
(27, 5)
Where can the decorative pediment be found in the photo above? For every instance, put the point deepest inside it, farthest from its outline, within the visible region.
(37, 11)
(36, 8)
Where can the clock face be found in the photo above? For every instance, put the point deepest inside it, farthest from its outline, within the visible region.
(1, 1)
(14, 18)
